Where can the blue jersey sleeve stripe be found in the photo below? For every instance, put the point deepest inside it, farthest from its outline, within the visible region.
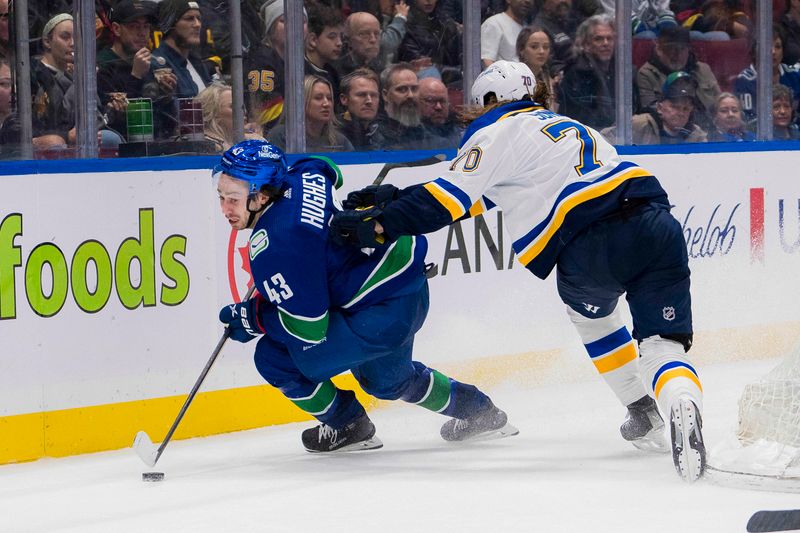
(455, 192)
(608, 343)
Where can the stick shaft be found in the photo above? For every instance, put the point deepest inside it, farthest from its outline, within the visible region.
(199, 382)
(388, 167)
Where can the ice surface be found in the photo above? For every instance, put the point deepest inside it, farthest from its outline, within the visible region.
(567, 471)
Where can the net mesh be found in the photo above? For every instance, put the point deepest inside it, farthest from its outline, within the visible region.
(768, 437)
(769, 408)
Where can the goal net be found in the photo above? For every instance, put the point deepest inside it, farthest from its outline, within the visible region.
(765, 452)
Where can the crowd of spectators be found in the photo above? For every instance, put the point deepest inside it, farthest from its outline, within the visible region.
(387, 74)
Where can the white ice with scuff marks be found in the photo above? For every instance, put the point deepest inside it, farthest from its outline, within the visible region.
(567, 471)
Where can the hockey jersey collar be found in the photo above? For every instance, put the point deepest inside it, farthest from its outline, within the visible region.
(497, 114)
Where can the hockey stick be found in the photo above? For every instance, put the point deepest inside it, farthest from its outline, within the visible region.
(388, 167)
(764, 521)
(142, 443)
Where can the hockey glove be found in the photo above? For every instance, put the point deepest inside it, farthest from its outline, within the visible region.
(242, 319)
(356, 227)
(374, 195)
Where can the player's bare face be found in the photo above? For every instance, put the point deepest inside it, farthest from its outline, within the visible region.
(233, 201)
(601, 42)
(536, 51)
(362, 100)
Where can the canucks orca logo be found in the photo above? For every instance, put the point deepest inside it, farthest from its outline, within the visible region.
(258, 243)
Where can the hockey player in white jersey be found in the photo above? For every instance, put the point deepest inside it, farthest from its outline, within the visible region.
(571, 203)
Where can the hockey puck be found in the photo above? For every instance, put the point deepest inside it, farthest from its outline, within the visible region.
(153, 476)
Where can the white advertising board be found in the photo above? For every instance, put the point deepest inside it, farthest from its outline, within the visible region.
(127, 336)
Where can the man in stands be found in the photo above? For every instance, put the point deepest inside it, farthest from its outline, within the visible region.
(434, 109)
(499, 32)
(324, 44)
(180, 21)
(672, 53)
(264, 67)
(363, 33)
(400, 124)
(124, 66)
(586, 93)
(360, 96)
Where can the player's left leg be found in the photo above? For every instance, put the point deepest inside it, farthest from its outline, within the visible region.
(660, 303)
(395, 376)
(591, 291)
(344, 422)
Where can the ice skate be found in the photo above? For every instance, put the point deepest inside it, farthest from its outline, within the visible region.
(644, 427)
(490, 423)
(688, 449)
(358, 435)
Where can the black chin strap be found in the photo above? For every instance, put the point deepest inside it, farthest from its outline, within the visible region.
(252, 218)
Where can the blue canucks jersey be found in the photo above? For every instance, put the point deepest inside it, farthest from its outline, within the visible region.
(305, 276)
(745, 87)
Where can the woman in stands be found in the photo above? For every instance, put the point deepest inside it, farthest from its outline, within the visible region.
(534, 49)
(783, 115)
(789, 75)
(217, 103)
(322, 128)
(728, 122)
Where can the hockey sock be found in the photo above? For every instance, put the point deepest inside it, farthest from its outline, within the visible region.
(331, 406)
(435, 391)
(613, 353)
(669, 372)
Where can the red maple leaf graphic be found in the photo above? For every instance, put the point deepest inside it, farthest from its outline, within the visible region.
(244, 253)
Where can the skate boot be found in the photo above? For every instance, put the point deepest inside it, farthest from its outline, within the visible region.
(488, 423)
(688, 449)
(644, 427)
(355, 436)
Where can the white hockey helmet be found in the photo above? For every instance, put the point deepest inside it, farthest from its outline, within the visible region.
(506, 80)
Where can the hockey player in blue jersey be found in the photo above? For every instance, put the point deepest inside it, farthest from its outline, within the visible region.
(322, 309)
(572, 204)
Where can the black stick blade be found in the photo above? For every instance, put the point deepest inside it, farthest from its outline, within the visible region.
(764, 521)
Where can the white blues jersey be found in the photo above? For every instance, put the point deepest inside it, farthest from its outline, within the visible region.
(551, 176)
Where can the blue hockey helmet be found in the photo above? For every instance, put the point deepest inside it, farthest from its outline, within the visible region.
(256, 162)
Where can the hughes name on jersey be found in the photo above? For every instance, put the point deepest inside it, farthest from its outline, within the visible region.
(551, 176)
(305, 276)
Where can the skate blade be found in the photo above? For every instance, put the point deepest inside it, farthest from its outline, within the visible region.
(655, 441)
(690, 458)
(506, 431)
(370, 444)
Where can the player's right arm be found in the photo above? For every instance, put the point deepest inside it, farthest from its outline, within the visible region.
(459, 192)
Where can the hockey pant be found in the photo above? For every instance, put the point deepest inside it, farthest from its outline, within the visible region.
(375, 343)
(642, 255)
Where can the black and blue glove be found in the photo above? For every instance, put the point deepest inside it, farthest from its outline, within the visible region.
(356, 227)
(371, 196)
(242, 319)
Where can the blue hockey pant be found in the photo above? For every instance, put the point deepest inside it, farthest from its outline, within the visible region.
(375, 343)
(642, 255)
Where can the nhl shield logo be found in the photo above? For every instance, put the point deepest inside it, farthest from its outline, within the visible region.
(669, 313)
